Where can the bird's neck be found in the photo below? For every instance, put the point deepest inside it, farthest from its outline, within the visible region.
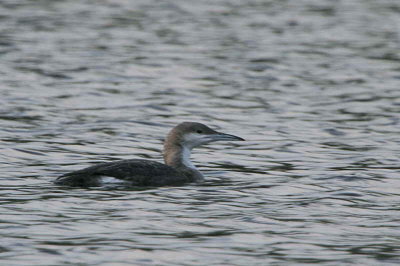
(178, 157)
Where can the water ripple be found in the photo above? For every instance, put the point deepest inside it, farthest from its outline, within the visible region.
(312, 87)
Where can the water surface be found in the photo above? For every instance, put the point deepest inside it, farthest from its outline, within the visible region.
(313, 86)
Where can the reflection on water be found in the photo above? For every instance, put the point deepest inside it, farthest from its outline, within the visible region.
(313, 86)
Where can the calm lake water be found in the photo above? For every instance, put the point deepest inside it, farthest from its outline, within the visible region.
(313, 86)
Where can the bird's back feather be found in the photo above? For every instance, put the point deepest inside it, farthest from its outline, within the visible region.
(135, 172)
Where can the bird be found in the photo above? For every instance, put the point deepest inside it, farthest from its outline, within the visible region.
(177, 170)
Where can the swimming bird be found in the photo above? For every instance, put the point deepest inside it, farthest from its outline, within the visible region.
(177, 170)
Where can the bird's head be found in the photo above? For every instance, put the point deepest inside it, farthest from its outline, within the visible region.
(191, 135)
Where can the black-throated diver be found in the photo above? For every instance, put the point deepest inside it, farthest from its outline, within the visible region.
(177, 170)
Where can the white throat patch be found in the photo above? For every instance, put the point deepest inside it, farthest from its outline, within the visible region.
(192, 140)
(186, 158)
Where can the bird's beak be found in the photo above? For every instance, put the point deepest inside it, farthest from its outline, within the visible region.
(222, 136)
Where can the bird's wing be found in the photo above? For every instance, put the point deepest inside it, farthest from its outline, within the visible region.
(137, 172)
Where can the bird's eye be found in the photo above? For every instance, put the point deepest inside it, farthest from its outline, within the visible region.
(199, 131)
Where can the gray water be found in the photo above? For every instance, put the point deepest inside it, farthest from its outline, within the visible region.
(313, 86)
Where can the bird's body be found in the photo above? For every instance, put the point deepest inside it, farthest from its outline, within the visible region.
(135, 172)
(177, 169)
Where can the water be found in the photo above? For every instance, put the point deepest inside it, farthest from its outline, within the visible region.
(312, 85)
